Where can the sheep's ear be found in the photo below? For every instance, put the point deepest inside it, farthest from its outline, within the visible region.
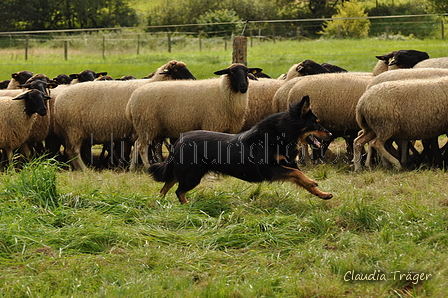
(46, 97)
(74, 75)
(254, 70)
(52, 84)
(21, 96)
(14, 75)
(100, 74)
(222, 71)
(25, 85)
(165, 71)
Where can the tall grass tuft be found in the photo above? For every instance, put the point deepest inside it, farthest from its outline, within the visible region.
(35, 183)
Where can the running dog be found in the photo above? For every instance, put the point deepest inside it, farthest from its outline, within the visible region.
(266, 152)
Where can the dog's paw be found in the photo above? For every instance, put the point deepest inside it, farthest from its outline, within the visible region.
(325, 196)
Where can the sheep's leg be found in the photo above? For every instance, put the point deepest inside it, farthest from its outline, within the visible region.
(74, 155)
(378, 144)
(358, 144)
(134, 155)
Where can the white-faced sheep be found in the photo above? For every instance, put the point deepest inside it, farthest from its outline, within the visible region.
(17, 115)
(95, 111)
(334, 97)
(170, 109)
(403, 110)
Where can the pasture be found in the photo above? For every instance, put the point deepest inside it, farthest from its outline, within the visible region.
(108, 233)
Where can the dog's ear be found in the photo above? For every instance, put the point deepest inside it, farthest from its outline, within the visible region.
(300, 108)
(305, 105)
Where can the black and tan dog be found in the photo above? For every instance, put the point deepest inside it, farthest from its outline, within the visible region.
(266, 152)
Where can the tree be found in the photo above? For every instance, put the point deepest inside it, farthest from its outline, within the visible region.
(219, 16)
(357, 28)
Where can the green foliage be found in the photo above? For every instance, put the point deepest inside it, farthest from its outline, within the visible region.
(353, 28)
(219, 16)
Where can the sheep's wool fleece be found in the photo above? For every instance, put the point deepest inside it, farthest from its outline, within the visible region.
(171, 108)
(15, 123)
(408, 109)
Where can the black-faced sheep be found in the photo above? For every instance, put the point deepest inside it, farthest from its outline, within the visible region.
(95, 111)
(17, 115)
(402, 110)
(407, 58)
(62, 79)
(170, 108)
(85, 76)
(262, 92)
(334, 97)
(19, 78)
(4, 84)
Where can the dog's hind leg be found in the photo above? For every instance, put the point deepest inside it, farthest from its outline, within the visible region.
(187, 183)
(167, 187)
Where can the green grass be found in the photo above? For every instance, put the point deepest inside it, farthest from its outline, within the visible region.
(109, 234)
(275, 58)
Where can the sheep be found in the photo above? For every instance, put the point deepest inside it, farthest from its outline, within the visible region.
(95, 111)
(169, 109)
(62, 79)
(408, 73)
(407, 58)
(433, 63)
(403, 110)
(19, 78)
(333, 68)
(334, 98)
(4, 84)
(262, 92)
(85, 76)
(17, 115)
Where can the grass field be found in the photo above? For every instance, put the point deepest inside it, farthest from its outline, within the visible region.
(109, 234)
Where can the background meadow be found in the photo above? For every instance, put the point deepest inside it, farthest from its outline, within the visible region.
(108, 233)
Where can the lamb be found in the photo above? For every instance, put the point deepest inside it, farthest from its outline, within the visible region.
(95, 111)
(403, 110)
(169, 109)
(334, 98)
(17, 115)
(19, 78)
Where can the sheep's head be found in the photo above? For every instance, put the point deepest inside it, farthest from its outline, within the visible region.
(38, 85)
(22, 76)
(309, 67)
(237, 75)
(34, 102)
(87, 75)
(62, 79)
(176, 70)
(408, 58)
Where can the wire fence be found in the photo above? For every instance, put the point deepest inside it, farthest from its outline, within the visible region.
(193, 37)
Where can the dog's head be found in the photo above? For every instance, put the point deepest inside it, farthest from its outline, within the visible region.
(310, 129)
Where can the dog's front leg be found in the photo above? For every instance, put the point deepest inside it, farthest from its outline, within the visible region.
(298, 177)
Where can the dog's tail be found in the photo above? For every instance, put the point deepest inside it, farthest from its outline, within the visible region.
(162, 172)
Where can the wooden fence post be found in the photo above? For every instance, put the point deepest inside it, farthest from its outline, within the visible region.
(240, 50)
(66, 50)
(104, 47)
(26, 46)
(138, 44)
(169, 42)
(443, 29)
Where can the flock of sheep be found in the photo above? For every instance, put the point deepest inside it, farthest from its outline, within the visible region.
(381, 112)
